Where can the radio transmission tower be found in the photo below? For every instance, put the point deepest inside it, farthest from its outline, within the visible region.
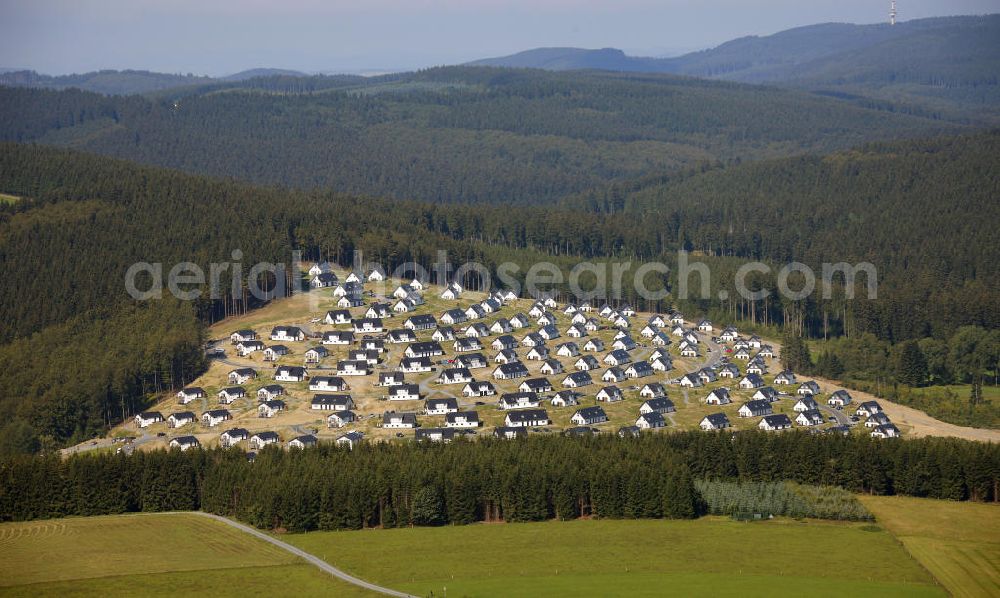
(892, 12)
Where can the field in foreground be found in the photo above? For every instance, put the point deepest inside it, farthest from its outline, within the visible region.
(959, 542)
(711, 555)
(150, 555)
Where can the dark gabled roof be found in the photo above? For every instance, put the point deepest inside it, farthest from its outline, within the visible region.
(405, 389)
(422, 319)
(591, 412)
(512, 397)
(778, 419)
(536, 383)
(185, 440)
(528, 415)
(620, 355)
(449, 402)
(425, 346)
(717, 419)
(660, 403)
(409, 418)
(294, 370)
(757, 404)
(652, 417)
(468, 416)
(512, 367)
(216, 413)
(305, 439)
(266, 435)
(182, 415)
(234, 390)
(236, 432)
(339, 399)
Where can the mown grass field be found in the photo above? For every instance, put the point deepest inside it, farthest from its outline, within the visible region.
(711, 555)
(150, 555)
(958, 542)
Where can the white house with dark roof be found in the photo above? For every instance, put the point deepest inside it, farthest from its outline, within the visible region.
(229, 394)
(577, 380)
(868, 409)
(483, 388)
(393, 420)
(809, 388)
(806, 403)
(653, 390)
(440, 406)
(526, 418)
(778, 421)
(262, 439)
(214, 417)
(613, 374)
(588, 416)
(327, 402)
(650, 421)
(751, 381)
(719, 396)
(232, 437)
(327, 384)
(290, 373)
(565, 398)
(714, 421)
(462, 419)
(339, 419)
(755, 408)
(287, 333)
(404, 392)
(184, 442)
(270, 408)
(181, 418)
(189, 394)
(809, 417)
(518, 400)
(840, 398)
(610, 394)
(657, 405)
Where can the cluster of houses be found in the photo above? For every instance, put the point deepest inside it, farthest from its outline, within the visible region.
(573, 363)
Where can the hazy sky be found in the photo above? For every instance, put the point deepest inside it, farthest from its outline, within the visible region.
(217, 37)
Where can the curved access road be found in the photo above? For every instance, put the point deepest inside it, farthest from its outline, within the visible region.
(325, 566)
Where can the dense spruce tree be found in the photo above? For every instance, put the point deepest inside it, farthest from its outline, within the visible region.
(911, 365)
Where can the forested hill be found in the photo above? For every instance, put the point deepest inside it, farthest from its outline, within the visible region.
(454, 134)
(948, 66)
(109, 82)
(924, 212)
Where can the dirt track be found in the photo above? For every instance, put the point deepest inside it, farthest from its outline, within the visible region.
(915, 422)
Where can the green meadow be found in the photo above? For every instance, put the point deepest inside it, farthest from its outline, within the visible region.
(712, 555)
(150, 555)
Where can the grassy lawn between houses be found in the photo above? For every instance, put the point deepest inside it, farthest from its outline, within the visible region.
(712, 555)
(958, 542)
(150, 555)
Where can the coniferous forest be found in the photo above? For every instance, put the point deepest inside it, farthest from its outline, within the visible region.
(495, 480)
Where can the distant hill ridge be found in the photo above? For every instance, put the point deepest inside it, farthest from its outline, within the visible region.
(946, 67)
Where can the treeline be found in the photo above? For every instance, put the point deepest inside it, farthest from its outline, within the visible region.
(394, 485)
